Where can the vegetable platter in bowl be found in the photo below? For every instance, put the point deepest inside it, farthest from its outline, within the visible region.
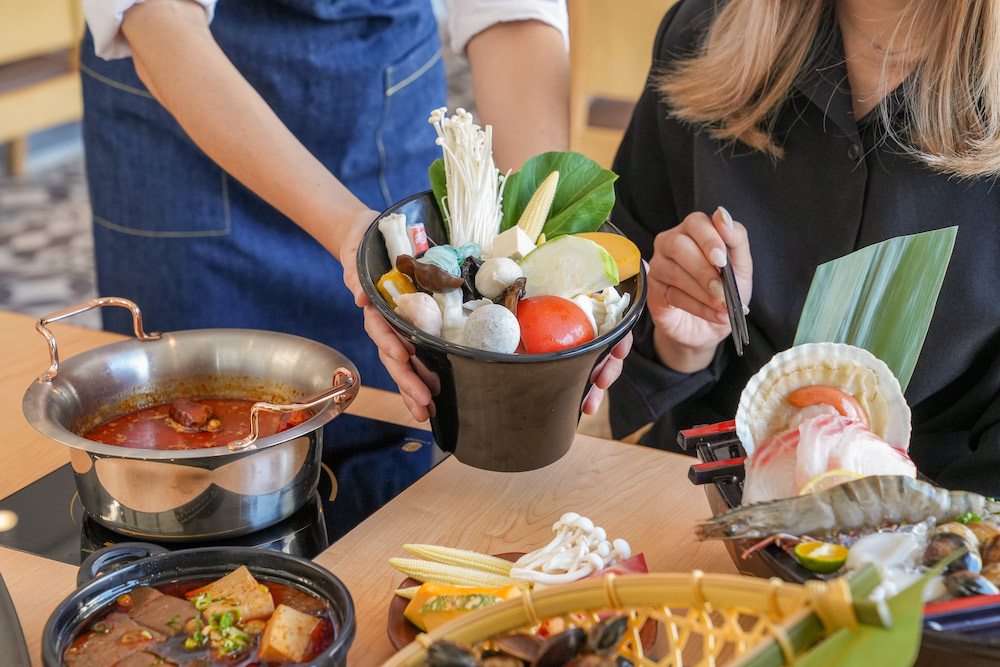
(511, 288)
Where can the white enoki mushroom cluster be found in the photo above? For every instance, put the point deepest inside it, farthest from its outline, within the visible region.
(579, 548)
(474, 184)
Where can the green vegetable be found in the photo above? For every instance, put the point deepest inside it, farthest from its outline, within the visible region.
(967, 517)
(456, 602)
(196, 640)
(583, 199)
(567, 266)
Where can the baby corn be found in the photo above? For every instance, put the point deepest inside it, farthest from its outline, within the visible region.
(407, 592)
(460, 557)
(443, 573)
(537, 211)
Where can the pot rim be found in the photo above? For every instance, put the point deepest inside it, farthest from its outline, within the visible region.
(34, 399)
(440, 344)
(90, 597)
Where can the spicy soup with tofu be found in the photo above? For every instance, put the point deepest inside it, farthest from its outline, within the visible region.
(236, 621)
(191, 424)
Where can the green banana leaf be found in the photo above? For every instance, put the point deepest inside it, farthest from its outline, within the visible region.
(880, 298)
(873, 645)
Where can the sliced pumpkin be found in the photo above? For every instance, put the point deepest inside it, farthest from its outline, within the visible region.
(435, 604)
(626, 253)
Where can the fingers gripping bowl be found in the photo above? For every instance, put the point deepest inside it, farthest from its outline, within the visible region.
(496, 411)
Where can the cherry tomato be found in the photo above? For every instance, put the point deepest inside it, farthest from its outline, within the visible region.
(551, 323)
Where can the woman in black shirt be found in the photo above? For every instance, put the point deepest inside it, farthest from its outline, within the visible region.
(824, 127)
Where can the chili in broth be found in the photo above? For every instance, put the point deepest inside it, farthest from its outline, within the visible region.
(151, 428)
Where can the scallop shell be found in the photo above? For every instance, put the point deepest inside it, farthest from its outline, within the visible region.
(762, 408)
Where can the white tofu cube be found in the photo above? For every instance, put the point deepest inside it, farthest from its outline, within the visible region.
(513, 243)
(287, 634)
(240, 591)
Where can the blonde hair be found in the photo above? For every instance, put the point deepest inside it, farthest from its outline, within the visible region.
(739, 80)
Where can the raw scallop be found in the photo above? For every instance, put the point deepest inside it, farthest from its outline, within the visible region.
(764, 411)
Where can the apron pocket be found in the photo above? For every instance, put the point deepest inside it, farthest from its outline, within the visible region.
(154, 181)
(414, 85)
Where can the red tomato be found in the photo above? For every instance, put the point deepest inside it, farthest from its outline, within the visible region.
(550, 323)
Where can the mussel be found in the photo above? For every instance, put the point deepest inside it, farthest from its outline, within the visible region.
(990, 550)
(445, 653)
(561, 648)
(963, 583)
(520, 645)
(604, 637)
(992, 572)
(984, 529)
(572, 647)
(944, 544)
(959, 529)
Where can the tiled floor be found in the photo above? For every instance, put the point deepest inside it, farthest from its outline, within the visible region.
(46, 249)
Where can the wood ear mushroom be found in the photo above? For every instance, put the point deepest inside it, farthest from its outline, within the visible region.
(427, 277)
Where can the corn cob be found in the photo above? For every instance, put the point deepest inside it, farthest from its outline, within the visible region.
(443, 573)
(461, 557)
(535, 213)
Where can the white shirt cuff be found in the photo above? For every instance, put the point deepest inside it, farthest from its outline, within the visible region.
(104, 18)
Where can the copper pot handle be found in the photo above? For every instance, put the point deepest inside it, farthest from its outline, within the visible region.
(50, 374)
(343, 381)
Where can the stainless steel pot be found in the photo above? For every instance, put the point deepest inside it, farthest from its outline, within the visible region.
(200, 493)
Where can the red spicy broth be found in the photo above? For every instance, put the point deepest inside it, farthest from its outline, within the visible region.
(173, 650)
(149, 427)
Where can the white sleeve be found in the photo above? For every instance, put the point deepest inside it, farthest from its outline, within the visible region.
(104, 18)
(467, 18)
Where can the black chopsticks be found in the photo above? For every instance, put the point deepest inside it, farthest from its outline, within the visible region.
(737, 318)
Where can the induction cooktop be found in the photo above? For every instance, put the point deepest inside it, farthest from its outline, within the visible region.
(366, 463)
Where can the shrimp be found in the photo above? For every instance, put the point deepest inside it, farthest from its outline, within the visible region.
(866, 503)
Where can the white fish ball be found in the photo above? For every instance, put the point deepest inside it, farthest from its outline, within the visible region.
(495, 274)
(421, 310)
(493, 328)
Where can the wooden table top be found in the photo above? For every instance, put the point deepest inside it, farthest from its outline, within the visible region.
(636, 493)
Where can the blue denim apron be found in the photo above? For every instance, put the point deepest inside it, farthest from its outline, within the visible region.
(355, 81)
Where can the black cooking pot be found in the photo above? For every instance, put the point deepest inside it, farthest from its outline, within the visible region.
(115, 570)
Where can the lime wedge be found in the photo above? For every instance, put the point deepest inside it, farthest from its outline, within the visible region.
(821, 557)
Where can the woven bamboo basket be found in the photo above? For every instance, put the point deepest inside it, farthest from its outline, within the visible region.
(703, 619)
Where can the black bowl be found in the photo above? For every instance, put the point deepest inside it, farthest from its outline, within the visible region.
(110, 572)
(503, 412)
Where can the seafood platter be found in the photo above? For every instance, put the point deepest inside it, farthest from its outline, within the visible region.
(812, 480)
